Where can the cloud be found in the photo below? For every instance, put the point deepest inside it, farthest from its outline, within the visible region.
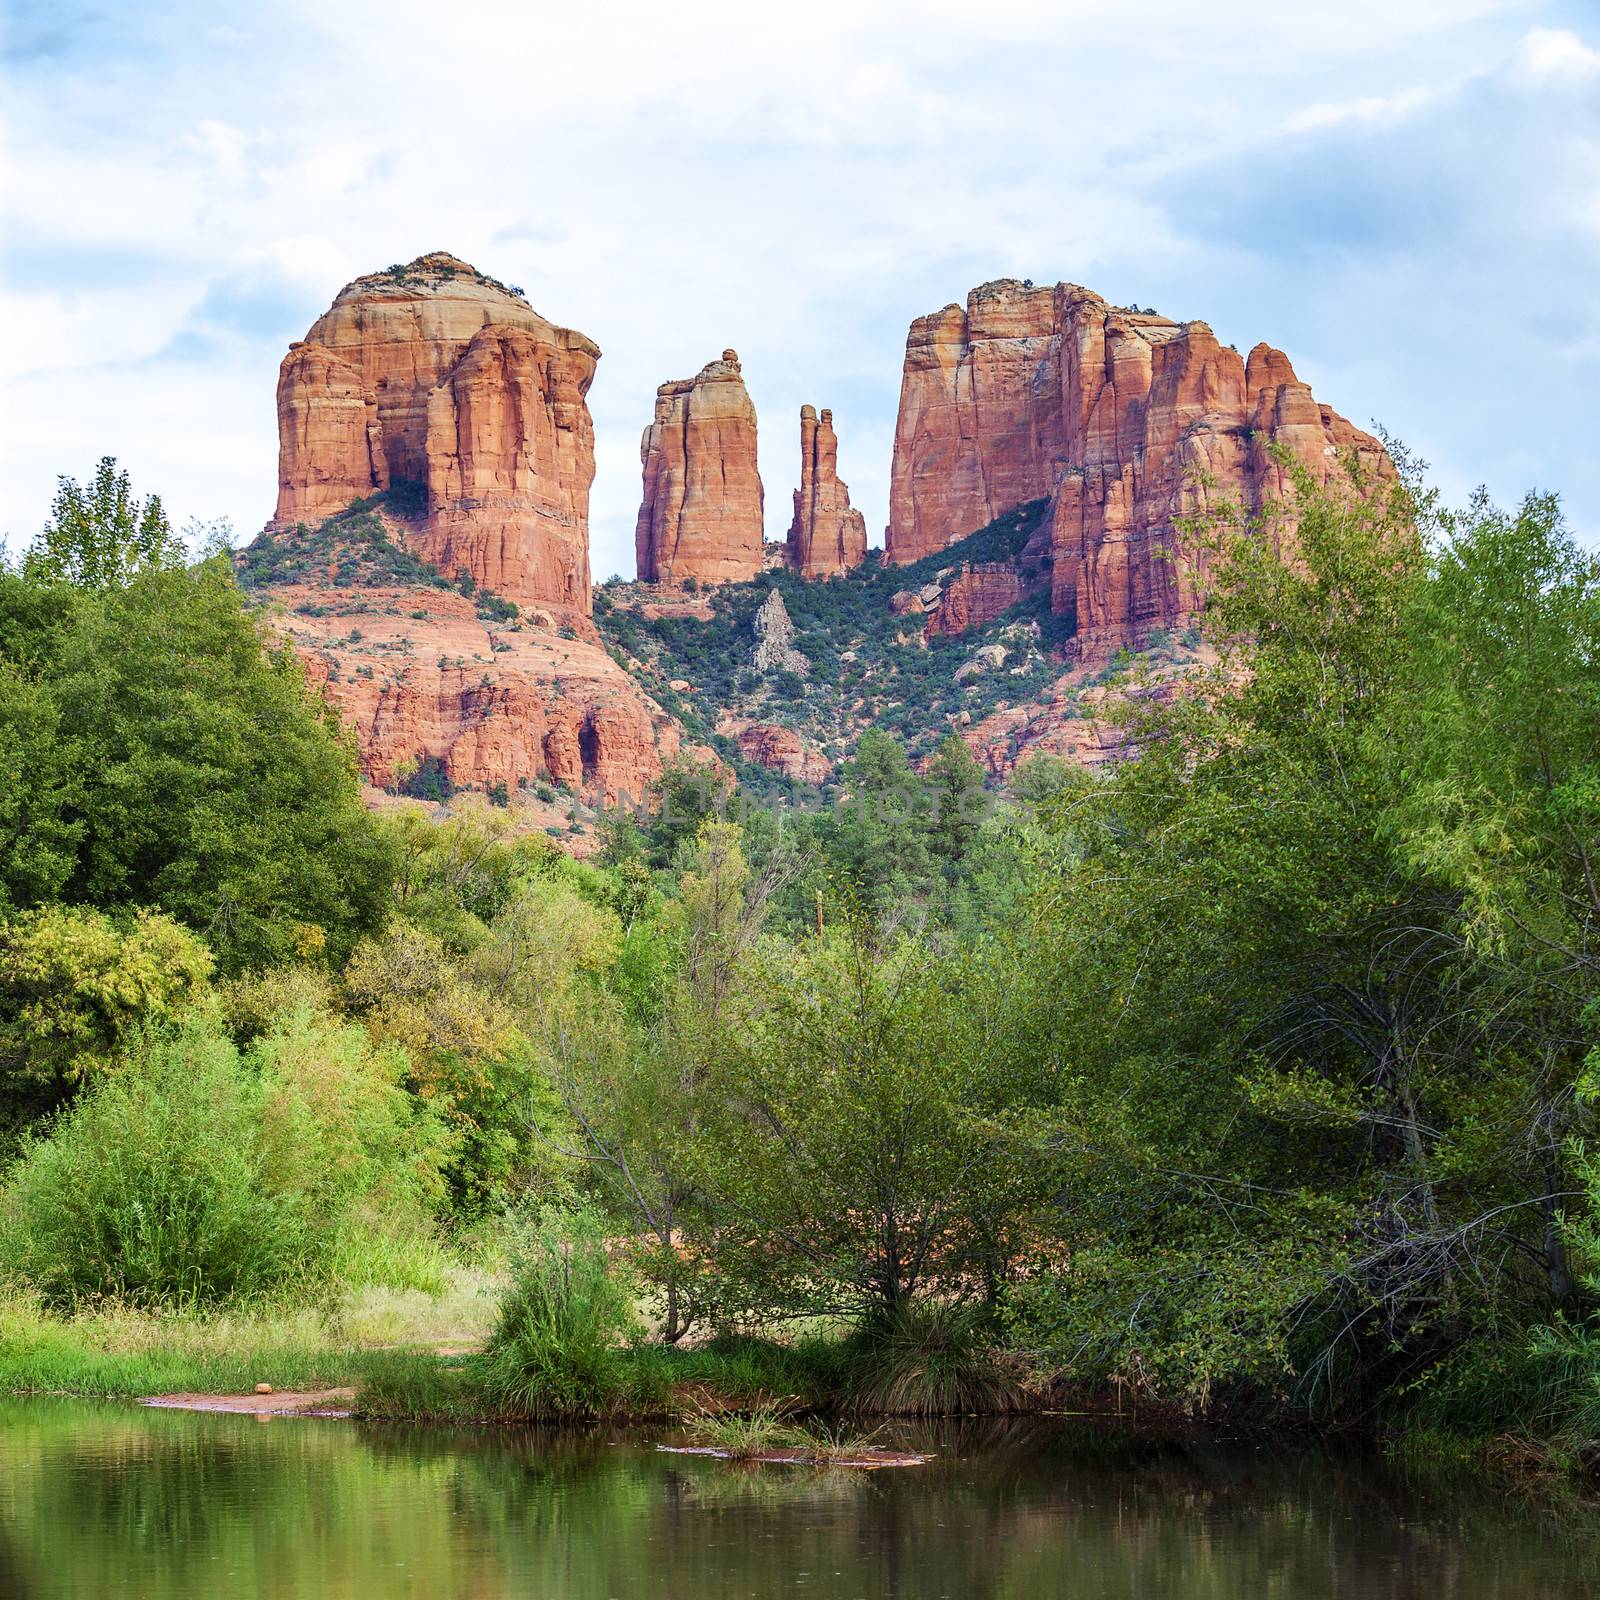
(1554, 55)
(1401, 193)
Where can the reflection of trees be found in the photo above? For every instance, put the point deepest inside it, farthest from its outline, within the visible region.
(158, 1504)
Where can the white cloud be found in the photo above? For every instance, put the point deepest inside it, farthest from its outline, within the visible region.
(183, 199)
(1554, 55)
(1377, 110)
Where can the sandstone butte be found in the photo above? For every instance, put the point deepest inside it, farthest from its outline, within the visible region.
(828, 536)
(434, 380)
(1125, 420)
(701, 512)
(439, 384)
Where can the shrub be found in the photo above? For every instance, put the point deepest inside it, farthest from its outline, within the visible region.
(75, 987)
(151, 1189)
(188, 1175)
(556, 1351)
(931, 1359)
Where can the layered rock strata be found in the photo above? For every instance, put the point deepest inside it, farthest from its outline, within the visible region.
(422, 677)
(975, 595)
(700, 516)
(828, 536)
(1129, 421)
(446, 388)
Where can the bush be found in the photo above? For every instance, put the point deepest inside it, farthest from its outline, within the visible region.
(151, 1189)
(75, 987)
(189, 1176)
(931, 1359)
(557, 1351)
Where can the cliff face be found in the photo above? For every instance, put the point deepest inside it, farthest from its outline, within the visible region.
(828, 536)
(701, 513)
(974, 597)
(1128, 420)
(434, 378)
(423, 677)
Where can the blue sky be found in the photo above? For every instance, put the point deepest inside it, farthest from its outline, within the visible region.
(1402, 194)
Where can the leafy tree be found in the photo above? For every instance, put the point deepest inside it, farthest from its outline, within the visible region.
(75, 990)
(194, 772)
(467, 1058)
(855, 1163)
(100, 535)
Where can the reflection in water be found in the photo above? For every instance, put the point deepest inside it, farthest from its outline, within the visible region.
(102, 1500)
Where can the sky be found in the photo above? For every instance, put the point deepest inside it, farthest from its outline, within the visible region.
(1404, 195)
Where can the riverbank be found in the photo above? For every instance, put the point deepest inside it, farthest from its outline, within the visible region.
(413, 1358)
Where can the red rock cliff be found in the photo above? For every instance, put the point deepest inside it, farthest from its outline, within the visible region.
(828, 536)
(419, 675)
(701, 514)
(1130, 421)
(435, 376)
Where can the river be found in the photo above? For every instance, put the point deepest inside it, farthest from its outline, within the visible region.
(110, 1500)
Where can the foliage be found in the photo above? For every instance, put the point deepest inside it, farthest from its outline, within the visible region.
(555, 1352)
(75, 989)
(200, 774)
(152, 1188)
(853, 1154)
(100, 535)
(191, 1175)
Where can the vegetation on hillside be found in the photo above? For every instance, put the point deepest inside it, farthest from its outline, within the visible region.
(1255, 1074)
(868, 668)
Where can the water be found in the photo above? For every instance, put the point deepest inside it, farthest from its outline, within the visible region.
(101, 1500)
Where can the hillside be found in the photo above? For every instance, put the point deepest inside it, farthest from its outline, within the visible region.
(876, 655)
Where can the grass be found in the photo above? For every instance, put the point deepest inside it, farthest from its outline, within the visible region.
(933, 1360)
(377, 1336)
(744, 1435)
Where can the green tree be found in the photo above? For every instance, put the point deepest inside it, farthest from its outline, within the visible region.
(857, 1160)
(195, 771)
(876, 844)
(635, 1076)
(1296, 1149)
(76, 988)
(100, 535)
(955, 784)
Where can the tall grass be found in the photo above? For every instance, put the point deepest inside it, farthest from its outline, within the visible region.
(930, 1359)
(560, 1347)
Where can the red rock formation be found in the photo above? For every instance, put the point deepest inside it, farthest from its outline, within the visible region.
(435, 376)
(418, 674)
(701, 515)
(1129, 420)
(976, 595)
(781, 749)
(827, 536)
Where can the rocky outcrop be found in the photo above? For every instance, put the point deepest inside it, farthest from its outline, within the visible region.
(446, 388)
(827, 536)
(1128, 420)
(421, 677)
(975, 595)
(701, 512)
(781, 749)
(775, 649)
